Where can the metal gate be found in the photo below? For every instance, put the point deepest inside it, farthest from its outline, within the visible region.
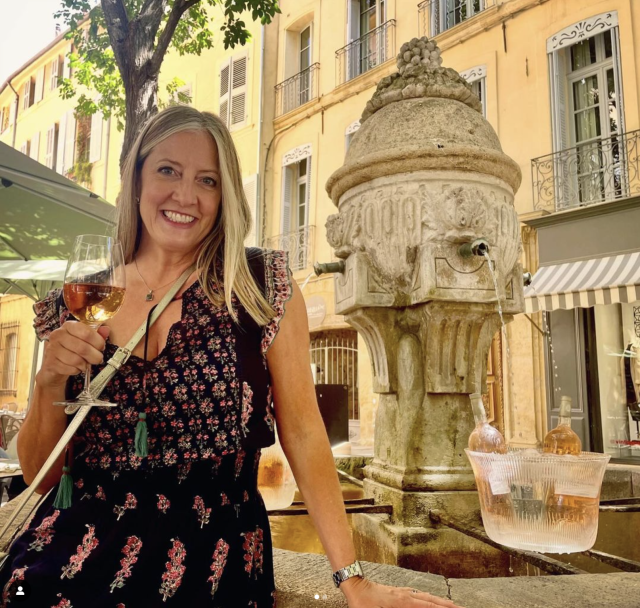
(334, 357)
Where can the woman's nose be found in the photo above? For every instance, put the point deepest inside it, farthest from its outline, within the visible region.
(185, 193)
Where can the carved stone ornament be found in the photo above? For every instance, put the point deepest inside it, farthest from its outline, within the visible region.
(474, 74)
(296, 155)
(582, 30)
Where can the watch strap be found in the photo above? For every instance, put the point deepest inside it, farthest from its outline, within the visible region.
(340, 576)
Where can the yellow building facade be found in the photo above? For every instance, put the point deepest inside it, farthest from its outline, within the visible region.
(293, 97)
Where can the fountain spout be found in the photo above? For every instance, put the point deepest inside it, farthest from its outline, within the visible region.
(479, 247)
(329, 267)
(527, 278)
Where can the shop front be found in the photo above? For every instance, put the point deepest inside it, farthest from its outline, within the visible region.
(586, 298)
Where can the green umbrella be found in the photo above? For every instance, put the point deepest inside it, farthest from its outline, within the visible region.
(41, 213)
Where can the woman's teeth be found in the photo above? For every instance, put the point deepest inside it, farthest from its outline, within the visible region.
(178, 217)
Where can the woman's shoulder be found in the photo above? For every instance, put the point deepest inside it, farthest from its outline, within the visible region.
(50, 313)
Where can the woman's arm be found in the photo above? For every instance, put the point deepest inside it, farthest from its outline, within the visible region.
(303, 436)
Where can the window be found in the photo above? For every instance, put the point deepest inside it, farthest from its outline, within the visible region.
(66, 143)
(305, 64)
(370, 50)
(95, 138)
(590, 164)
(295, 234)
(25, 147)
(4, 118)
(351, 129)
(28, 93)
(55, 72)
(477, 78)
(52, 144)
(233, 91)
(9, 347)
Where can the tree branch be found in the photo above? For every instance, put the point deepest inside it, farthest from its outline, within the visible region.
(179, 8)
(117, 22)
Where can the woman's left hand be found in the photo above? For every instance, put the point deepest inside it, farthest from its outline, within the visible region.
(363, 593)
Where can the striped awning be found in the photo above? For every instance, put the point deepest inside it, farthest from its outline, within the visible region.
(586, 283)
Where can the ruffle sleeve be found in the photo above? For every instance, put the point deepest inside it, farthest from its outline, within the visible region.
(50, 313)
(279, 289)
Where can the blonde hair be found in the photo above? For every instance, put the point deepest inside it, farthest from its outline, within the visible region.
(225, 242)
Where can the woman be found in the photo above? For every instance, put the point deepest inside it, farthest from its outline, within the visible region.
(182, 521)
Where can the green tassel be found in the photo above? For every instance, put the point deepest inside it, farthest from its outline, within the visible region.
(65, 490)
(141, 441)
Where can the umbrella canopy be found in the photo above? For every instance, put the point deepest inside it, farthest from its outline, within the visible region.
(41, 213)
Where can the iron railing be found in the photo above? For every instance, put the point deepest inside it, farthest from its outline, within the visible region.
(437, 16)
(297, 90)
(366, 53)
(597, 171)
(299, 244)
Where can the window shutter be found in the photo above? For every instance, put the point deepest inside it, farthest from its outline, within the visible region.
(563, 172)
(26, 94)
(70, 141)
(62, 129)
(66, 69)
(95, 143)
(250, 186)
(53, 78)
(24, 148)
(287, 187)
(34, 148)
(617, 75)
(238, 91)
(308, 192)
(39, 85)
(50, 155)
(225, 85)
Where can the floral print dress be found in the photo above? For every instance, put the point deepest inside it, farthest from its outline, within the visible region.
(186, 525)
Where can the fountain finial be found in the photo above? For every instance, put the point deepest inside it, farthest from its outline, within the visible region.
(420, 74)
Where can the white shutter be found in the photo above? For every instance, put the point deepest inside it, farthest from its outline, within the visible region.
(69, 142)
(617, 75)
(225, 87)
(308, 192)
(34, 148)
(39, 85)
(95, 145)
(26, 94)
(50, 154)
(287, 187)
(53, 78)
(238, 91)
(12, 111)
(564, 174)
(250, 186)
(61, 139)
(353, 20)
(66, 69)
(24, 148)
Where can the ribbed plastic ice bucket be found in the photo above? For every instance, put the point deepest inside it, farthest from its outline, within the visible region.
(540, 502)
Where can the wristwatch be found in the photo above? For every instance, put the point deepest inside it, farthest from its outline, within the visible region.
(348, 572)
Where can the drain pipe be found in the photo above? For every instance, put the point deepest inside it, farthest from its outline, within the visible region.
(15, 114)
(479, 247)
(106, 159)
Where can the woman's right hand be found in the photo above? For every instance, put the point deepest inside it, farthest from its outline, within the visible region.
(69, 350)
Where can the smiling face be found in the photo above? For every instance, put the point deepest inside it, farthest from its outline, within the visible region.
(180, 192)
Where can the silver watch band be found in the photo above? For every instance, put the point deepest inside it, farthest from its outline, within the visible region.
(340, 576)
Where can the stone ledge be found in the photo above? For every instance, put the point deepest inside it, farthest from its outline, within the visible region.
(299, 576)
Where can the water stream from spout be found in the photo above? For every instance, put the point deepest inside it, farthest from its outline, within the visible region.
(494, 276)
(306, 281)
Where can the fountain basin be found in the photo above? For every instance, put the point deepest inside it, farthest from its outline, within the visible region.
(540, 502)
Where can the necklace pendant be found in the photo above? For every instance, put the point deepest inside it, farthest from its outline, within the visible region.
(149, 296)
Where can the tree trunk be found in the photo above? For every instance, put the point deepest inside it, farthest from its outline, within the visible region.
(141, 94)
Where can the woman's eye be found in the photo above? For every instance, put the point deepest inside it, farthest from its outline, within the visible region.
(166, 170)
(209, 181)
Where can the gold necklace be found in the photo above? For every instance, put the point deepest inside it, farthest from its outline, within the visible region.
(149, 296)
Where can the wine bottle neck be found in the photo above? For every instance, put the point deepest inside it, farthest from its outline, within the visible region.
(479, 413)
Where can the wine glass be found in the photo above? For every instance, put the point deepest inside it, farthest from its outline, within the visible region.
(94, 287)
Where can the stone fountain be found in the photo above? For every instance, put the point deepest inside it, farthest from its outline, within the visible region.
(425, 186)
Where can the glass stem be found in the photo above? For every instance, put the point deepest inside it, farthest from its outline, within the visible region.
(87, 380)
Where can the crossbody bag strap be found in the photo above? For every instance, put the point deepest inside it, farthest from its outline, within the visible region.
(96, 387)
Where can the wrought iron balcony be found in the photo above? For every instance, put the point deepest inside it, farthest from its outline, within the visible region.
(596, 171)
(299, 244)
(437, 16)
(297, 90)
(366, 53)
